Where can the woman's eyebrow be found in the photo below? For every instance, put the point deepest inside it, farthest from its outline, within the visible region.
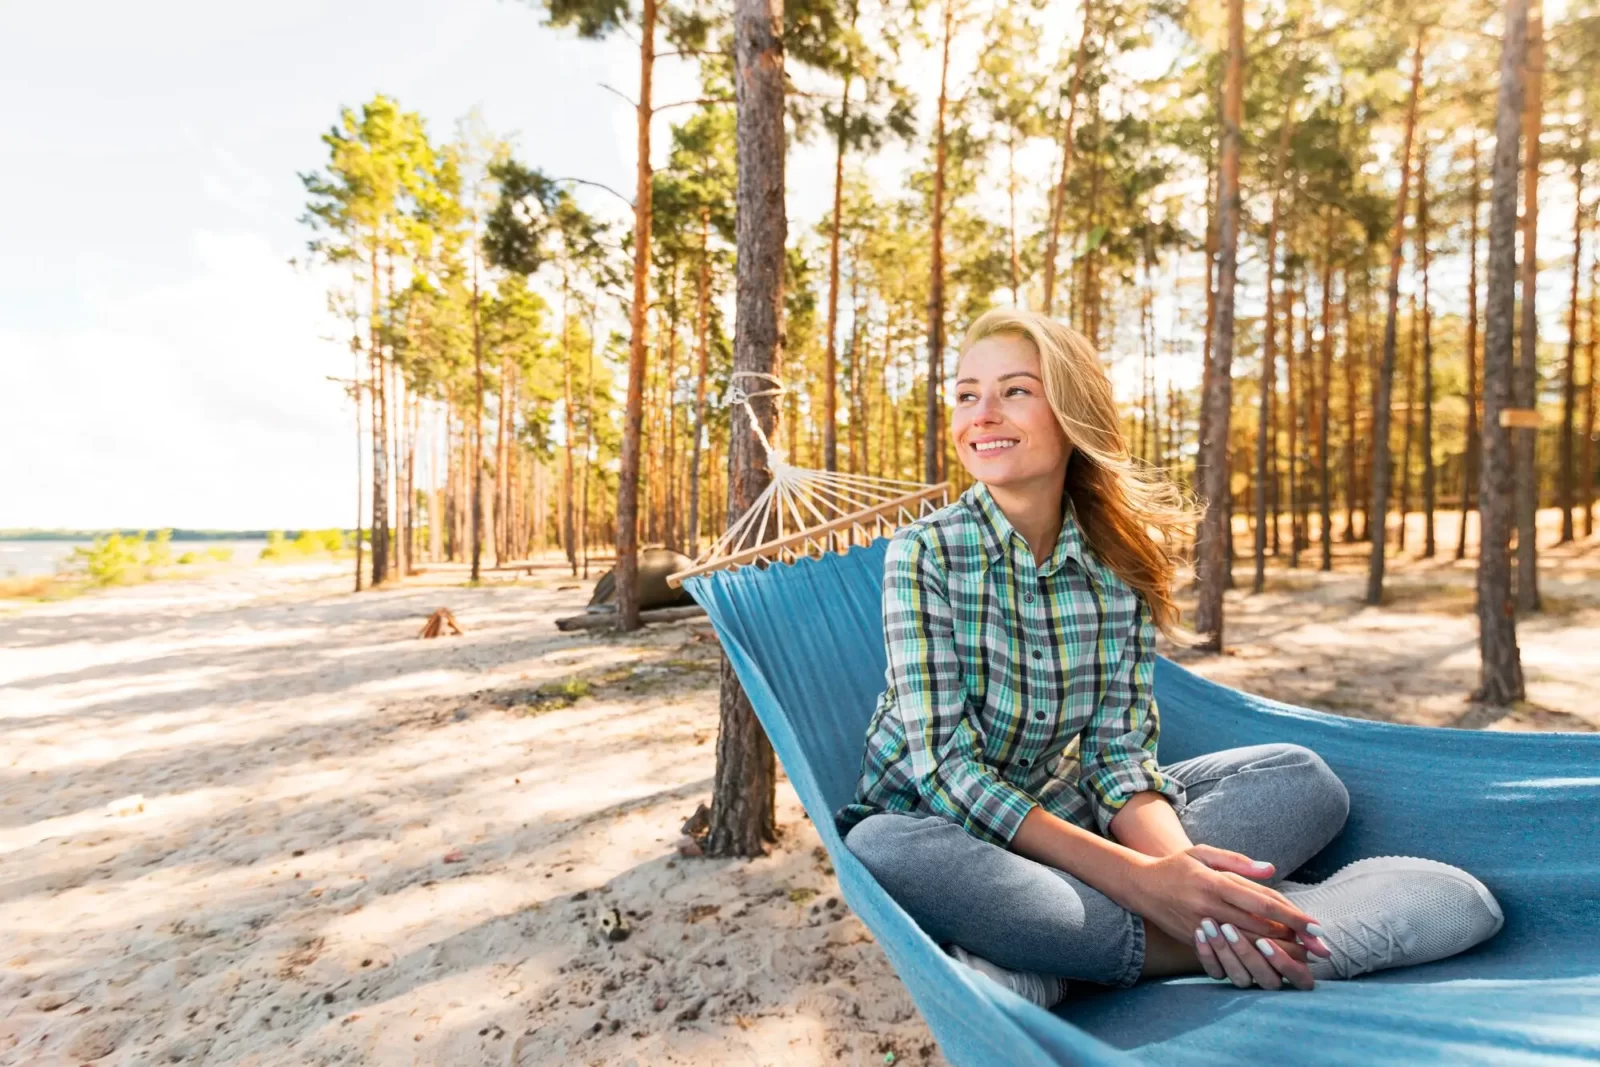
(1003, 377)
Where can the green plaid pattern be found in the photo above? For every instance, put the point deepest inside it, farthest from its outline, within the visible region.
(1010, 684)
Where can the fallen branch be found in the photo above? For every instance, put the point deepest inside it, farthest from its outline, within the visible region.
(606, 620)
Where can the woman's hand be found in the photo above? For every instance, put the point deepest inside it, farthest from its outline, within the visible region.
(1224, 952)
(1203, 884)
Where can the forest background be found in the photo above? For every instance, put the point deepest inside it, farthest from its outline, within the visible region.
(534, 354)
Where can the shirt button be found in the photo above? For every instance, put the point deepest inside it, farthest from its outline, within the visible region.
(1039, 715)
(1027, 598)
(1038, 654)
(1022, 763)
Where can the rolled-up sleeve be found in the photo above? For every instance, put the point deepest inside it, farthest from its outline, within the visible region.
(947, 762)
(1120, 739)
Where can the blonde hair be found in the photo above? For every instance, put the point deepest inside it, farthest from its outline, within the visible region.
(1132, 515)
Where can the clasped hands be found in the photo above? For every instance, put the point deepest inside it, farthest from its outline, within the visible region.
(1240, 929)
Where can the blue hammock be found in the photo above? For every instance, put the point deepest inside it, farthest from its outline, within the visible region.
(1522, 811)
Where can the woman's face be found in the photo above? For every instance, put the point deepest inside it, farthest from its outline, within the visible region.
(1002, 426)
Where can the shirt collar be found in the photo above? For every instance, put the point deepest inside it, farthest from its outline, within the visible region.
(999, 536)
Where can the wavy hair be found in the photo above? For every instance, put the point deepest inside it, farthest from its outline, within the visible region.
(1133, 515)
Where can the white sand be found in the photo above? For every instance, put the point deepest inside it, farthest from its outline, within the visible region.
(306, 766)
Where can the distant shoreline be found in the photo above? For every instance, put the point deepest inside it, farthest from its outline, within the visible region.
(177, 534)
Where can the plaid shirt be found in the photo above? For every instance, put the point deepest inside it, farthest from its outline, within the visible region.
(1010, 684)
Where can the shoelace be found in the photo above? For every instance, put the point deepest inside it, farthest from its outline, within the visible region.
(1379, 952)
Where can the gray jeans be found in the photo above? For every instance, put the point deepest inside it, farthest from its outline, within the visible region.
(1278, 803)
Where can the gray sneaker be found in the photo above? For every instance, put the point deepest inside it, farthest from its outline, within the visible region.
(1042, 989)
(1395, 911)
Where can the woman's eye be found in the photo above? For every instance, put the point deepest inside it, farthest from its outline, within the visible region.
(962, 398)
(1018, 390)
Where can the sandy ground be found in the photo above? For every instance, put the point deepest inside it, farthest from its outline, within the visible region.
(359, 847)
(354, 846)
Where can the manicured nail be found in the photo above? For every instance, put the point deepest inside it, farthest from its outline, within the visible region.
(1230, 933)
(1199, 936)
(1314, 930)
(1209, 927)
(1266, 947)
(1261, 865)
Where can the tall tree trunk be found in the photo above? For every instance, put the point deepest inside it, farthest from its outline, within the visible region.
(1269, 355)
(1058, 199)
(701, 329)
(1429, 473)
(1292, 400)
(355, 393)
(1212, 563)
(569, 524)
(502, 464)
(1569, 392)
(1500, 680)
(1409, 437)
(477, 417)
(1213, 187)
(1469, 461)
(743, 803)
(830, 374)
(380, 431)
(1378, 517)
(627, 565)
(1322, 400)
(1590, 388)
(931, 445)
(1525, 384)
(1352, 441)
(588, 432)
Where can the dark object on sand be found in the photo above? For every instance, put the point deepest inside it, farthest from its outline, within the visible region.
(605, 620)
(441, 621)
(654, 592)
(613, 927)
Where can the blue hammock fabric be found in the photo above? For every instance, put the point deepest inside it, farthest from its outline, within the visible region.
(1521, 811)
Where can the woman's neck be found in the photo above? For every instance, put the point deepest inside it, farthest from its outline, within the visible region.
(1034, 511)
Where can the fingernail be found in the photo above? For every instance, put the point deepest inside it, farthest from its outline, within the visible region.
(1199, 936)
(1261, 865)
(1314, 930)
(1209, 927)
(1266, 947)
(1230, 933)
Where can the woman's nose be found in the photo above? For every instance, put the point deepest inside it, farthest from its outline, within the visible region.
(987, 409)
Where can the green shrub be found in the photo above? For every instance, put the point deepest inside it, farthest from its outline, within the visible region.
(187, 558)
(119, 560)
(220, 553)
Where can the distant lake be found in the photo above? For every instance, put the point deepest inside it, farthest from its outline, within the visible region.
(22, 558)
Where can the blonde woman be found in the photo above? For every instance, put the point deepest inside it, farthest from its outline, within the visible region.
(1011, 798)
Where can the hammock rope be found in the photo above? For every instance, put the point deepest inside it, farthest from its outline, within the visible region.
(805, 512)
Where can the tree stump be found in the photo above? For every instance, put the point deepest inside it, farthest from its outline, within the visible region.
(440, 622)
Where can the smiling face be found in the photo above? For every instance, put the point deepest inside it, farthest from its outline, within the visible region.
(1003, 427)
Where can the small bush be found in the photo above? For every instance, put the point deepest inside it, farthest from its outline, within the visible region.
(219, 553)
(306, 543)
(119, 560)
(188, 558)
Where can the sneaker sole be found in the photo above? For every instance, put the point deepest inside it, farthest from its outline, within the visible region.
(1387, 864)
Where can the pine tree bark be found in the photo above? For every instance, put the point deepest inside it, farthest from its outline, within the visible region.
(743, 805)
(1569, 390)
(1409, 437)
(932, 451)
(1269, 356)
(1525, 383)
(1378, 517)
(1212, 561)
(830, 374)
(1322, 400)
(1590, 389)
(380, 429)
(355, 392)
(1352, 441)
(569, 519)
(1429, 472)
(701, 330)
(627, 565)
(477, 419)
(1500, 679)
(1058, 199)
(1469, 462)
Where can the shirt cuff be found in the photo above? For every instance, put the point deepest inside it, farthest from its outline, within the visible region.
(1109, 788)
(992, 810)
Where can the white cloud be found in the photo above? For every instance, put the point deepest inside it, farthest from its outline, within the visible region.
(201, 402)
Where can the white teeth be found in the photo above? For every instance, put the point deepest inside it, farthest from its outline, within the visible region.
(990, 446)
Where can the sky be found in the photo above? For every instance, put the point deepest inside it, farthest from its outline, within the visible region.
(161, 362)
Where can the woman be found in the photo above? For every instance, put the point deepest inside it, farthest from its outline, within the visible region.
(1010, 797)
